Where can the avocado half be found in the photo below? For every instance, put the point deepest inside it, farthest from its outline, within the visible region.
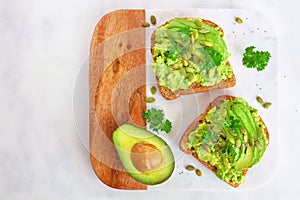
(146, 157)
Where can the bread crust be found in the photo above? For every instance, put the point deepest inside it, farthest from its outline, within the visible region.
(195, 87)
(201, 119)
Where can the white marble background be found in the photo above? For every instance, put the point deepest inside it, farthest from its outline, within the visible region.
(42, 46)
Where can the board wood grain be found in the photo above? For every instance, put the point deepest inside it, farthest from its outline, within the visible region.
(117, 77)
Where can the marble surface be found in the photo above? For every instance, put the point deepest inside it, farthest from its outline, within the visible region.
(43, 45)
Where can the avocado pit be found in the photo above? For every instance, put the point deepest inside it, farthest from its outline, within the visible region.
(145, 157)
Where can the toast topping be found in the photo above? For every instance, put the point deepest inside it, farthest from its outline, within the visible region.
(231, 138)
(189, 51)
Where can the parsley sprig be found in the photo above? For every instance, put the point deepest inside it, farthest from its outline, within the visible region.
(256, 59)
(156, 119)
(209, 137)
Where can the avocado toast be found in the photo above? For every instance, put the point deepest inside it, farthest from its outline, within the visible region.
(229, 138)
(190, 56)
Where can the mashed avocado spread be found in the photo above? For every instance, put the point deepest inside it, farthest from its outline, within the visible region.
(190, 51)
(232, 138)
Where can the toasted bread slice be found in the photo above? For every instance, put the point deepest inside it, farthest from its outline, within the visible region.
(201, 119)
(195, 87)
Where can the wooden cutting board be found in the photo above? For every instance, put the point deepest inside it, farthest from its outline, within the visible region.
(117, 77)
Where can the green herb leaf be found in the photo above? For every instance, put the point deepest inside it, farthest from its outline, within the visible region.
(167, 126)
(212, 58)
(256, 59)
(174, 51)
(229, 148)
(209, 136)
(233, 124)
(156, 119)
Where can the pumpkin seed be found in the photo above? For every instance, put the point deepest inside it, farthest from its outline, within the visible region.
(231, 140)
(195, 34)
(145, 24)
(149, 99)
(191, 76)
(182, 71)
(177, 66)
(238, 143)
(206, 148)
(185, 63)
(260, 132)
(187, 55)
(192, 39)
(225, 161)
(234, 134)
(259, 99)
(197, 45)
(198, 172)
(153, 90)
(207, 43)
(203, 31)
(243, 130)
(238, 20)
(190, 167)
(198, 22)
(230, 159)
(258, 145)
(251, 142)
(153, 19)
(267, 105)
(246, 138)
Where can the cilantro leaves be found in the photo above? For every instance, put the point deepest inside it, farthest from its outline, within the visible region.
(209, 137)
(256, 59)
(234, 124)
(212, 58)
(156, 119)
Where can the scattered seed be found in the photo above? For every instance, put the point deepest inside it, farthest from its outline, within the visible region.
(258, 145)
(207, 43)
(185, 63)
(204, 31)
(153, 19)
(238, 20)
(230, 159)
(195, 34)
(206, 148)
(238, 143)
(153, 90)
(190, 167)
(251, 142)
(192, 39)
(191, 76)
(182, 71)
(145, 24)
(198, 172)
(259, 99)
(149, 99)
(198, 22)
(267, 105)
(231, 140)
(246, 138)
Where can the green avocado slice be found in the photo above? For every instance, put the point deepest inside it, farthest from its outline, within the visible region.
(140, 165)
(241, 111)
(246, 162)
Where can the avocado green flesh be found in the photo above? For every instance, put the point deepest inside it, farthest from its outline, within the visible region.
(246, 162)
(231, 120)
(181, 61)
(126, 136)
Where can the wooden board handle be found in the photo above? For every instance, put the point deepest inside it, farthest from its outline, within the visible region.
(117, 78)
